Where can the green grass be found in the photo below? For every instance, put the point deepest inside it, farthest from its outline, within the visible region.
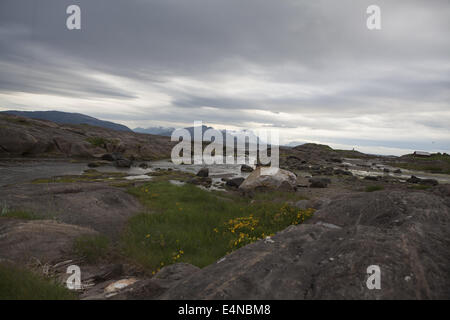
(188, 224)
(436, 163)
(374, 188)
(165, 175)
(90, 175)
(92, 248)
(97, 141)
(21, 284)
(424, 166)
(19, 214)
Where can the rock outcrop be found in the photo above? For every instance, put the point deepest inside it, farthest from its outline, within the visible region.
(145, 289)
(407, 234)
(45, 240)
(39, 138)
(94, 205)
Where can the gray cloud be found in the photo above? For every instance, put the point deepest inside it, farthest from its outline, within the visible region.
(296, 65)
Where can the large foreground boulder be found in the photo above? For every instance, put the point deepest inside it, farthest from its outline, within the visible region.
(269, 178)
(406, 234)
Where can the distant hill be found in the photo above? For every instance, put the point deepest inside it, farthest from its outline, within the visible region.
(166, 131)
(293, 144)
(160, 131)
(226, 134)
(68, 118)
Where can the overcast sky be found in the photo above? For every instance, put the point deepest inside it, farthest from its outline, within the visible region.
(311, 69)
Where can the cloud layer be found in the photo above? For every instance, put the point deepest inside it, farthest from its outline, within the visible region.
(309, 68)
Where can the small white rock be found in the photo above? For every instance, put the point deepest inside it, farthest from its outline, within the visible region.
(268, 240)
(118, 285)
(221, 260)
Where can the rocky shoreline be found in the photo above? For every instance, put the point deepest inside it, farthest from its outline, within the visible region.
(385, 217)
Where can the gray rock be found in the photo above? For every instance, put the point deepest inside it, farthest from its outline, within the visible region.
(143, 165)
(201, 181)
(405, 233)
(95, 205)
(414, 179)
(45, 240)
(246, 168)
(203, 172)
(153, 288)
(342, 172)
(268, 178)
(372, 178)
(315, 203)
(93, 165)
(429, 182)
(302, 204)
(123, 163)
(317, 182)
(176, 272)
(31, 137)
(112, 156)
(234, 182)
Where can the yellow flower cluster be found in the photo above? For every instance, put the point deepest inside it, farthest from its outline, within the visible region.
(177, 255)
(292, 215)
(303, 215)
(243, 223)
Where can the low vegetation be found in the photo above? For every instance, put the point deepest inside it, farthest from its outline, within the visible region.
(19, 214)
(188, 224)
(436, 163)
(90, 175)
(166, 175)
(21, 284)
(97, 141)
(7, 212)
(424, 166)
(374, 188)
(92, 248)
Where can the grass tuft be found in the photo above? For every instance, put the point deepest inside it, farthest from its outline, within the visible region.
(21, 284)
(20, 214)
(97, 141)
(92, 248)
(374, 188)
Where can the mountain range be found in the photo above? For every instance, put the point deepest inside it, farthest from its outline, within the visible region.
(68, 118)
(78, 118)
